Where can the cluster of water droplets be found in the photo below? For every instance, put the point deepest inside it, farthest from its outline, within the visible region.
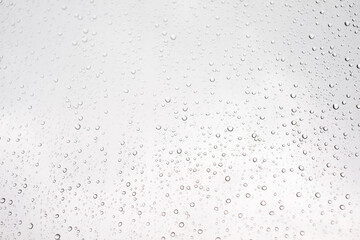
(179, 119)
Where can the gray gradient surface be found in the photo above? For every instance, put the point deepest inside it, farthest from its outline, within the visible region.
(179, 120)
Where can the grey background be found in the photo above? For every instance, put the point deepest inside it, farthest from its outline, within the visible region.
(176, 119)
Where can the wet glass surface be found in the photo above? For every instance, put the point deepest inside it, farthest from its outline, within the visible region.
(179, 119)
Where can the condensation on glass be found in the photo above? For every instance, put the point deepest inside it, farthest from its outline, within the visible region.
(179, 119)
